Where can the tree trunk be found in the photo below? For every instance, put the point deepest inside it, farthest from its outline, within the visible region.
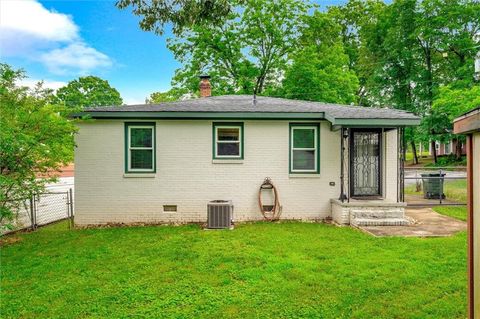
(434, 151)
(458, 150)
(414, 151)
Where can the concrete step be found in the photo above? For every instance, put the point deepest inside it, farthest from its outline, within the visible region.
(380, 222)
(377, 214)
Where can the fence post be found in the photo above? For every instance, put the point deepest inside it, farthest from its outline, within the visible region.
(32, 222)
(34, 212)
(442, 180)
(70, 202)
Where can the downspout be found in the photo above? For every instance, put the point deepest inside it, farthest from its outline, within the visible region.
(342, 165)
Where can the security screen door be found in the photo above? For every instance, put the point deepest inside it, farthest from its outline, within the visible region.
(365, 163)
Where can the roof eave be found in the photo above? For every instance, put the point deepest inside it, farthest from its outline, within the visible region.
(201, 115)
(376, 122)
(336, 122)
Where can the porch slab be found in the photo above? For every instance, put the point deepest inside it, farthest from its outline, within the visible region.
(427, 223)
(369, 213)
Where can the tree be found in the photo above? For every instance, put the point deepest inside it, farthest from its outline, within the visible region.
(320, 69)
(357, 19)
(412, 49)
(246, 53)
(35, 138)
(181, 14)
(168, 96)
(450, 103)
(89, 91)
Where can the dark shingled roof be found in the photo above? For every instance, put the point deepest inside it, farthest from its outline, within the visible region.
(244, 104)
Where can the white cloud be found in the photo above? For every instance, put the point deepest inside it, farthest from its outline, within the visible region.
(29, 30)
(76, 56)
(30, 17)
(54, 85)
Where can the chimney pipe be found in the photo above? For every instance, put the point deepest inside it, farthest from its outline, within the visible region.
(205, 87)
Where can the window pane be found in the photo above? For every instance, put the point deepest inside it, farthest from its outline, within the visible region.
(141, 137)
(141, 159)
(231, 149)
(303, 138)
(304, 160)
(228, 134)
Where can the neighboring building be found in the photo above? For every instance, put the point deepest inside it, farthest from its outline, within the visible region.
(469, 124)
(446, 148)
(165, 162)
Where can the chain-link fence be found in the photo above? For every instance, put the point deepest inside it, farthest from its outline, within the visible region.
(41, 209)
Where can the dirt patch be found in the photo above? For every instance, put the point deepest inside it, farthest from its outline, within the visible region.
(10, 240)
(427, 224)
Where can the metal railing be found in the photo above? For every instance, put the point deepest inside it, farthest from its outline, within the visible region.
(442, 195)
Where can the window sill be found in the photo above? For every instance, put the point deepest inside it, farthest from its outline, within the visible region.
(139, 175)
(227, 161)
(300, 175)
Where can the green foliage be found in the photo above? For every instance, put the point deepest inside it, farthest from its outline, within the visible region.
(180, 14)
(450, 103)
(168, 96)
(89, 91)
(244, 54)
(320, 68)
(35, 138)
(258, 270)
(448, 160)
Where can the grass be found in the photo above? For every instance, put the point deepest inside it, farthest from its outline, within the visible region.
(454, 190)
(452, 211)
(409, 155)
(258, 270)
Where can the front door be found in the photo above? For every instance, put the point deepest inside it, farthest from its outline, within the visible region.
(365, 162)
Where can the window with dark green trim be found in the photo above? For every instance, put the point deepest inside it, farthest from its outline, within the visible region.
(227, 140)
(304, 148)
(140, 147)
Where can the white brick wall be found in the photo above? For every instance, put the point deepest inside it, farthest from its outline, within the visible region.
(390, 165)
(186, 176)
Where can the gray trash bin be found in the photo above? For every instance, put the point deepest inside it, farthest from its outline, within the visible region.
(433, 187)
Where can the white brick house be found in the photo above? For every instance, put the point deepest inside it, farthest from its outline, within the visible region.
(164, 163)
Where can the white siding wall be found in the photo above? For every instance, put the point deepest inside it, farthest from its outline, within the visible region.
(186, 176)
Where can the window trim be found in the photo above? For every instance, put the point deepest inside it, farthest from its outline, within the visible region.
(215, 127)
(128, 126)
(316, 127)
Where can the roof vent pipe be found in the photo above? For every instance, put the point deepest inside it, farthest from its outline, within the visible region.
(205, 87)
(254, 99)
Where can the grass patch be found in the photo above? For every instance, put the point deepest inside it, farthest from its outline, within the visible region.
(259, 270)
(409, 155)
(455, 190)
(453, 211)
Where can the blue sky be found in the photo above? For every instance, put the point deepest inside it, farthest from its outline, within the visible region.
(57, 41)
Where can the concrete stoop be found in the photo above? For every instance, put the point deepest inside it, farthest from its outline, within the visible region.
(369, 213)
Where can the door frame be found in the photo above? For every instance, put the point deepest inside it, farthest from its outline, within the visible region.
(379, 131)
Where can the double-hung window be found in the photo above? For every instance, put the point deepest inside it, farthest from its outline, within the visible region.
(140, 147)
(228, 140)
(304, 148)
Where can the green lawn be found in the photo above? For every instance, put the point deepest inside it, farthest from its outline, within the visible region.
(459, 212)
(409, 155)
(455, 190)
(259, 270)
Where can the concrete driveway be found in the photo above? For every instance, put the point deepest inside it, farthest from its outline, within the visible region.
(427, 223)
